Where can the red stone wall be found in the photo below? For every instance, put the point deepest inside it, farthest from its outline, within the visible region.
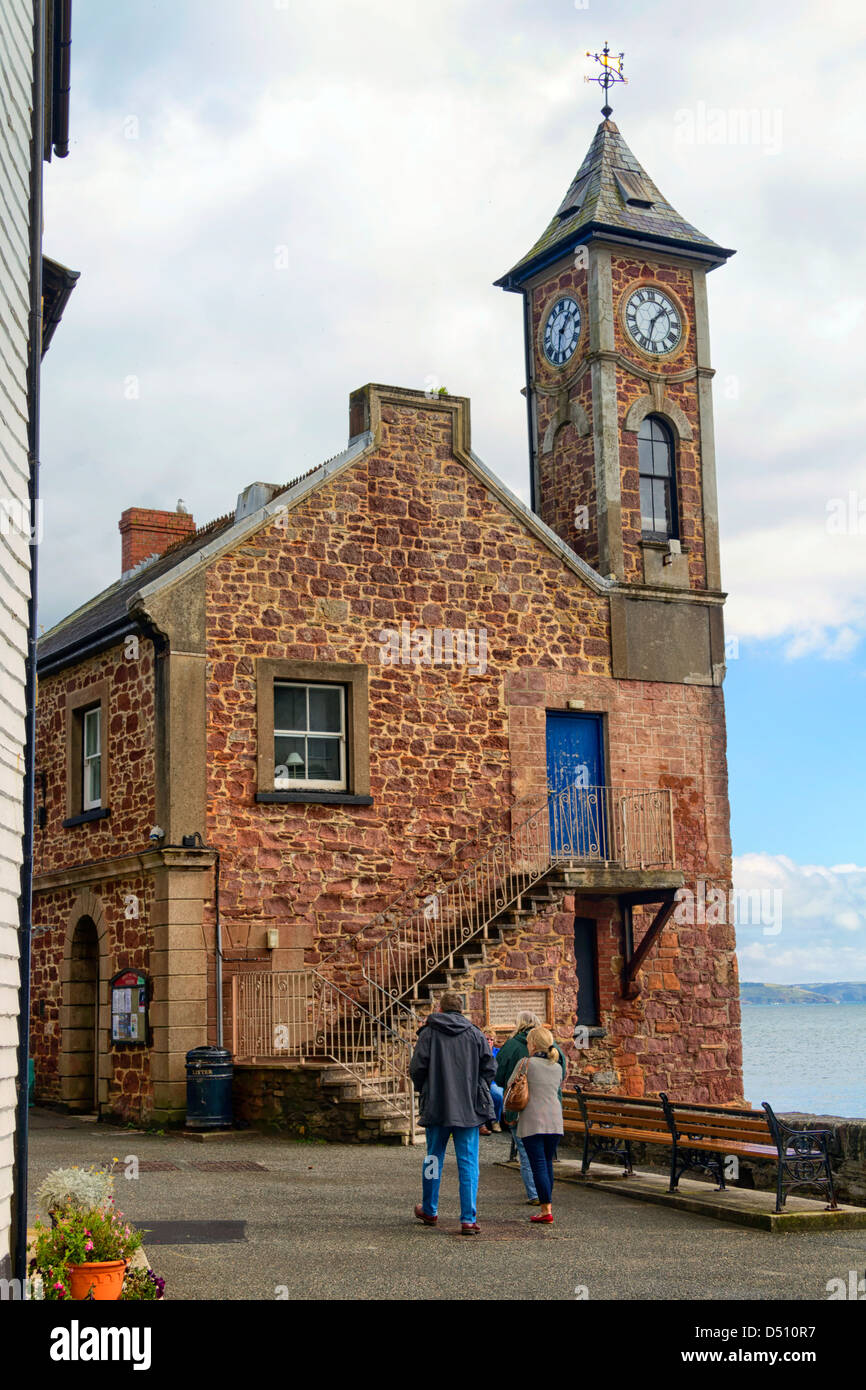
(126, 946)
(408, 534)
(130, 794)
(625, 272)
(566, 476)
(670, 736)
(405, 535)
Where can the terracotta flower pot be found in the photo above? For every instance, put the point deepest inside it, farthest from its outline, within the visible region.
(104, 1276)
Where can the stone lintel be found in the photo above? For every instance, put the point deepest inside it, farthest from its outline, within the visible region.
(608, 879)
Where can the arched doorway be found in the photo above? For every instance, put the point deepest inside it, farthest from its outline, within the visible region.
(80, 1042)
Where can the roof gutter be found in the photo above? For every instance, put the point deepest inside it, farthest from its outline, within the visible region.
(77, 651)
(60, 77)
(58, 282)
(693, 250)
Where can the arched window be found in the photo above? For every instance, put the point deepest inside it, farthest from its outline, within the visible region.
(658, 489)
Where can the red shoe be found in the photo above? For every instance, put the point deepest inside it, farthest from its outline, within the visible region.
(422, 1215)
(473, 1230)
(546, 1219)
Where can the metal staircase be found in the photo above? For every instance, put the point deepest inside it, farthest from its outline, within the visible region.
(367, 1026)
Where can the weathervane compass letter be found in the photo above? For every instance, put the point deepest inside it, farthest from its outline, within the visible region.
(611, 72)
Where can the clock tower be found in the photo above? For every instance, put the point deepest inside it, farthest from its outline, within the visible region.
(618, 388)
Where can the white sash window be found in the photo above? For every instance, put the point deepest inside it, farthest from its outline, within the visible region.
(309, 736)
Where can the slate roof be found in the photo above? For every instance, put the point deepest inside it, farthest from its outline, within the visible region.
(106, 617)
(608, 193)
(108, 612)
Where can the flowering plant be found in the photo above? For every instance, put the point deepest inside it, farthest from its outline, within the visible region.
(143, 1283)
(80, 1237)
(84, 1188)
(51, 1283)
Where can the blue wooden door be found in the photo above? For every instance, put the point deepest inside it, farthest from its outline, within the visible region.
(575, 772)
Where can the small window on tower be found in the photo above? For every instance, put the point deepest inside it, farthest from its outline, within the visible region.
(573, 200)
(655, 445)
(634, 191)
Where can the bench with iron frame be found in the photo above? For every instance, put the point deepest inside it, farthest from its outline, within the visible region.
(610, 1124)
(703, 1137)
(700, 1137)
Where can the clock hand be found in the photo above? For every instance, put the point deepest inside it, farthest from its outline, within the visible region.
(653, 321)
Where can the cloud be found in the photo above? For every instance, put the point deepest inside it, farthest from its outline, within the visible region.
(823, 921)
(404, 157)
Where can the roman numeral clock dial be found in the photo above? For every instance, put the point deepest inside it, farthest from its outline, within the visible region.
(653, 321)
(562, 331)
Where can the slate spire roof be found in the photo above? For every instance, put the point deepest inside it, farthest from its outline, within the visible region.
(611, 193)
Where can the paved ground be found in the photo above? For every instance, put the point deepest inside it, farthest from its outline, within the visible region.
(335, 1222)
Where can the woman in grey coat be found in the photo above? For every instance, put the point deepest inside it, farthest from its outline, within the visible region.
(540, 1123)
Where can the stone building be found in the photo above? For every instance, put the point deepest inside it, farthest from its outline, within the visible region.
(384, 728)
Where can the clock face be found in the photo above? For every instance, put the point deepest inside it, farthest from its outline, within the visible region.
(653, 321)
(562, 331)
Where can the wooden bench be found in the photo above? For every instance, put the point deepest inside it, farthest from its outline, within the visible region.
(611, 1124)
(700, 1137)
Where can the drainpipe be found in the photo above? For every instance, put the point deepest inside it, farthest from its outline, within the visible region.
(25, 905)
(195, 841)
(530, 400)
(219, 949)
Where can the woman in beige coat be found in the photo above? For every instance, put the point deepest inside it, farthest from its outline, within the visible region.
(540, 1123)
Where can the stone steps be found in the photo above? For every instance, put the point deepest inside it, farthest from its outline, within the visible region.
(356, 1099)
(350, 1092)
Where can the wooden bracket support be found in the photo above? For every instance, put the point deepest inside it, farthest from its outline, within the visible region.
(634, 959)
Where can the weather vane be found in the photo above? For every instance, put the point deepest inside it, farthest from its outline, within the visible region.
(611, 72)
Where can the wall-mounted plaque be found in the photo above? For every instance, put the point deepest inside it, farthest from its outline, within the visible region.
(129, 1022)
(505, 1002)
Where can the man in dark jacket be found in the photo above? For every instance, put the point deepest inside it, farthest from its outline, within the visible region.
(452, 1068)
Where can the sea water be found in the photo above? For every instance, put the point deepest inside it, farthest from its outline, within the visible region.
(806, 1057)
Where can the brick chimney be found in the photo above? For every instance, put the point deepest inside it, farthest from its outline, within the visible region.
(146, 533)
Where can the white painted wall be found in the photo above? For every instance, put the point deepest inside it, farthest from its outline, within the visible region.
(16, 73)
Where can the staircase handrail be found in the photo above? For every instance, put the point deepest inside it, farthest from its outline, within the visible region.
(559, 809)
(352, 1009)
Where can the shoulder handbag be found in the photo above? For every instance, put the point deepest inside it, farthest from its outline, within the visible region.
(517, 1095)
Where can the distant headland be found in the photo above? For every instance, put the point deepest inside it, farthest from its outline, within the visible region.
(844, 992)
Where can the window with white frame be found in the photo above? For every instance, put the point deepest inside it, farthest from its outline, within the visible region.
(658, 490)
(91, 748)
(309, 736)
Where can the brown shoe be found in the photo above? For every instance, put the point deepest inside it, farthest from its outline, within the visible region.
(422, 1215)
(485, 1130)
(473, 1230)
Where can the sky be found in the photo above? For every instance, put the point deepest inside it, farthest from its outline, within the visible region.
(272, 203)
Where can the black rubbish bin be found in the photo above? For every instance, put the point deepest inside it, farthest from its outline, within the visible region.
(209, 1073)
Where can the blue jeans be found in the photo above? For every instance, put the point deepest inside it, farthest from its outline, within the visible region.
(525, 1166)
(497, 1095)
(466, 1151)
(541, 1150)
